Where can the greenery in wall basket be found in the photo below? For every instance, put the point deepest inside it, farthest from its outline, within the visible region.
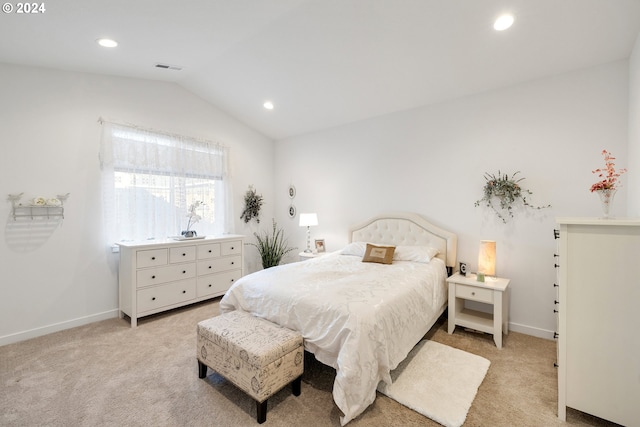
(252, 204)
(272, 247)
(507, 191)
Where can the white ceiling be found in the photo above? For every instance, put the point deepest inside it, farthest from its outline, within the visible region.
(323, 63)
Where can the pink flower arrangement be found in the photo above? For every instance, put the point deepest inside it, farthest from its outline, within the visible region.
(609, 176)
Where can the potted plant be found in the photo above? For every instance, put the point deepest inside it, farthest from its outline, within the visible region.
(507, 191)
(608, 184)
(272, 246)
(252, 204)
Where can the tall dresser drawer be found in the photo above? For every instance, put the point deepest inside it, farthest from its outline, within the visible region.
(217, 283)
(474, 293)
(231, 248)
(182, 254)
(154, 276)
(219, 264)
(165, 295)
(151, 258)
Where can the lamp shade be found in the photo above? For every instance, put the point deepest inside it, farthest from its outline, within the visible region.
(308, 219)
(487, 258)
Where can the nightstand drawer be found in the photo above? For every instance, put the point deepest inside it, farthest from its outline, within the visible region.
(474, 293)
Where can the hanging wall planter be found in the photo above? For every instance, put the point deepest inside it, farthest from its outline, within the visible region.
(506, 191)
(252, 205)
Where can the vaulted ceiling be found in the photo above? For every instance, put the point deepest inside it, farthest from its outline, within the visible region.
(323, 63)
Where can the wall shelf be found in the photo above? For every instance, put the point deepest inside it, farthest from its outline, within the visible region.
(37, 208)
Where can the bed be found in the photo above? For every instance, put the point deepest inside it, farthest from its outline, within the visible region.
(361, 318)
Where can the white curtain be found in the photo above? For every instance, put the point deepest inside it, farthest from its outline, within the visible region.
(151, 178)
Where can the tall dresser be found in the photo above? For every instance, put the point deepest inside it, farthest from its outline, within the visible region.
(599, 318)
(161, 275)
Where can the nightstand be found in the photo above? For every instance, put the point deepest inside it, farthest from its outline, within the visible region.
(303, 256)
(494, 291)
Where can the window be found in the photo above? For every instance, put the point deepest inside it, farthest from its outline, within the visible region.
(150, 179)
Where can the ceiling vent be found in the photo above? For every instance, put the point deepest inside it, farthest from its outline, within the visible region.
(168, 67)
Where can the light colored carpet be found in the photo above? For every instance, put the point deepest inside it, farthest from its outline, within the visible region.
(107, 374)
(438, 381)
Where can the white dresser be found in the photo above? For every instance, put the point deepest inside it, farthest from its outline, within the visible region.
(599, 317)
(162, 275)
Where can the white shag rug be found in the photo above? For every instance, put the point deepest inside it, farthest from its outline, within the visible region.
(438, 381)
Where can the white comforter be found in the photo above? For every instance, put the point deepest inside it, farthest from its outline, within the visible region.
(360, 318)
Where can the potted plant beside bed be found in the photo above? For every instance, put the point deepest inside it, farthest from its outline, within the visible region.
(272, 247)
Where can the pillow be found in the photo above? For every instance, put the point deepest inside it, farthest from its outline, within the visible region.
(379, 254)
(355, 248)
(415, 253)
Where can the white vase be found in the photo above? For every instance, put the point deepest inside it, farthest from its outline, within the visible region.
(606, 201)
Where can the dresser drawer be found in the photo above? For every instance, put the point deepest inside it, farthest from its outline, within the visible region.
(151, 258)
(474, 293)
(165, 295)
(182, 254)
(219, 264)
(209, 250)
(217, 283)
(153, 276)
(231, 248)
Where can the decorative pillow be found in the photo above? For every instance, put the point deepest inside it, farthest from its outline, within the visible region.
(355, 249)
(415, 253)
(379, 254)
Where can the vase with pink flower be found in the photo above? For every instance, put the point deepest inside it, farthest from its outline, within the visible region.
(608, 184)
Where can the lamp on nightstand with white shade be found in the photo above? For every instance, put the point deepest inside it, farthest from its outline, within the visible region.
(308, 220)
(486, 259)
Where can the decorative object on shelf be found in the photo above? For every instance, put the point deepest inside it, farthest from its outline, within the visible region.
(292, 211)
(320, 247)
(292, 191)
(272, 247)
(507, 190)
(608, 185)
(486, 259)
(193, 219)
(252, 205)
(463, 269)
(38, 207)
(308, 220)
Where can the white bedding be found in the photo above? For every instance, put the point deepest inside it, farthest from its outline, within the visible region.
(360, 318)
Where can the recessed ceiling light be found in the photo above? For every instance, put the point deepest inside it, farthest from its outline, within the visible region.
(268, 105)
(503, 22)
(107, 42)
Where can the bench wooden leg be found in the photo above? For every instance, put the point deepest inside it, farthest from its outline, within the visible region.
(295, 385)
(202, 369)
(261, 409)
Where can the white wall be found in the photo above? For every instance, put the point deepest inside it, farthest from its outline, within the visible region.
(52, 279)
(633, 177)
(432, 160)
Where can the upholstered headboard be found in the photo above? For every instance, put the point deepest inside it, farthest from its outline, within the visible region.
(408, 229)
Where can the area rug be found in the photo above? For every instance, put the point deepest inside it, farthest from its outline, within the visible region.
(438, 381)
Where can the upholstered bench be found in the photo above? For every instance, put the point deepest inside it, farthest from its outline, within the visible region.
(256, 355)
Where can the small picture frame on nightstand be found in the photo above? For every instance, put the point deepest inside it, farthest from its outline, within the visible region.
(320, 245)
(463, 268)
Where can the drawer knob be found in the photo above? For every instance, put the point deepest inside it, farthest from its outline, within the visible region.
(209, 284)
(153, 298)
(232, 262)
(232, 280)
(184, 292)
(153, 277)
(153, 258)
(209, 250)
(184, 271)
(184, 254)
(209, 266)
(232, 248)
(473, 293)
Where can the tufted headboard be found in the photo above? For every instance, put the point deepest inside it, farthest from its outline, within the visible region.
(408, 229)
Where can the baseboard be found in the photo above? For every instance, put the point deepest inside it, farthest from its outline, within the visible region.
(37, 332)
(528, 330)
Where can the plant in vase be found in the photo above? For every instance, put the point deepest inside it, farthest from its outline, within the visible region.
(608, 184)
(272, 247)
(193, 219)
